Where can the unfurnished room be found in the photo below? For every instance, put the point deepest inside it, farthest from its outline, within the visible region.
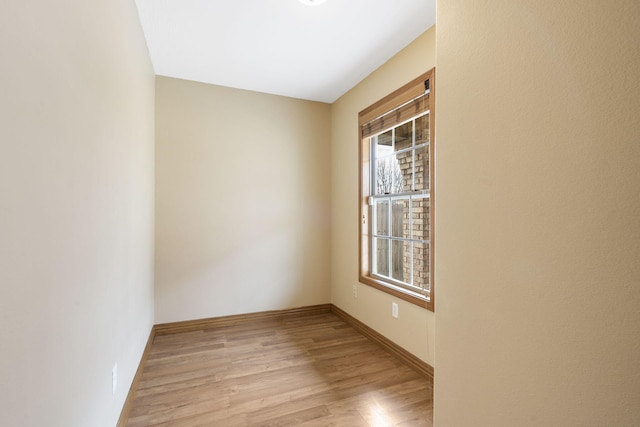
(319, 213)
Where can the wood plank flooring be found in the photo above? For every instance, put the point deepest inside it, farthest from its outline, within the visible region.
(307, 370)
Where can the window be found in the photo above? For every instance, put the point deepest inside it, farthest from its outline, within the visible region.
(397, 192)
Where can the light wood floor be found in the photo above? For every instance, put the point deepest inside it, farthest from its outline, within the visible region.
(310, 370)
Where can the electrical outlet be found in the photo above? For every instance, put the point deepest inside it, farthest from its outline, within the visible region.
(114, 379)
(355, 291)
(394, 309)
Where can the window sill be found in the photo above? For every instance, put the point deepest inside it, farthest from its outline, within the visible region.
(399, 292)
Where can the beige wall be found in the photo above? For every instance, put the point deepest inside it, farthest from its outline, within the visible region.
(242, 201)
(414, 327)
(538, 214)
(76, 209)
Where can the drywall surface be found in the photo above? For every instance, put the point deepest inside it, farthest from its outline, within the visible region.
(414, 328)
(242, 201)
(538, 256)
(76, 209)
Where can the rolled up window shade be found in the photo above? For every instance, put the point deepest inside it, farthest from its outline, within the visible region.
(397, 116)
(409, 101)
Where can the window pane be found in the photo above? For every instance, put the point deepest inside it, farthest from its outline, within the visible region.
(382, 256)
(384, 144)
(422, 168)
(388, 176)
(401, 260)
(400, 219)
(421, 265)
(382, 218)
(422, 129)
(403, 177)
(404, 136)
(420, 214)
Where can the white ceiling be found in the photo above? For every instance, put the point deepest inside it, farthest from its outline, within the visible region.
(280, 47)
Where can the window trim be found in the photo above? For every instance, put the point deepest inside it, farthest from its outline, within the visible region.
(389, 103)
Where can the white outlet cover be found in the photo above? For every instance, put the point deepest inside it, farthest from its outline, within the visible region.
(394, 309)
